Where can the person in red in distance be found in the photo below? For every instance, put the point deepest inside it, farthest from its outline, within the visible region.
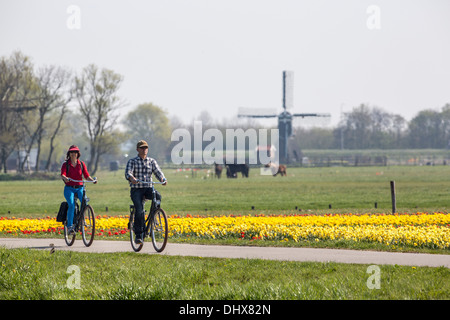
(75, 169)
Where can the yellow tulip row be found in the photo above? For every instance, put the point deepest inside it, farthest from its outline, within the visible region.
(419, 229)
(424, 230)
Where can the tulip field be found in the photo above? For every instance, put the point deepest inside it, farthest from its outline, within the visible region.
(417, 230)
(261, 210)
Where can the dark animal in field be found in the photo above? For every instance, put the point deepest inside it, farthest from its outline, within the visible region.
(233, 169)
(280, 169)
(218, 170)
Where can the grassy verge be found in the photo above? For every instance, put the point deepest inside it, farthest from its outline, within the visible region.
(345, 189)
(36, 274)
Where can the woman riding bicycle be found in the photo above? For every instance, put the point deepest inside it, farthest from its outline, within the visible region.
(141, 168)
(73, 168)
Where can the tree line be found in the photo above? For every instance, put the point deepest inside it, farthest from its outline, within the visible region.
(49, 108)
(367, 127)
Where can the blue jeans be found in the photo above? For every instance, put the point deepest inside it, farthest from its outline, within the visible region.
(69, 194)
(137, 196)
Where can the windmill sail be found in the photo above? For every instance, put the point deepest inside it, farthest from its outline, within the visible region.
(257, 113)
(311, 115)
(288, 90)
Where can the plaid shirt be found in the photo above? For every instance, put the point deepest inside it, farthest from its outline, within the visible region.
(142, 169)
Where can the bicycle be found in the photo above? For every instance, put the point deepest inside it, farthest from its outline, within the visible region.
(156, 225)
(84, 219)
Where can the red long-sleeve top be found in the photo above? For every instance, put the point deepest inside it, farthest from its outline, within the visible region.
(74, 173)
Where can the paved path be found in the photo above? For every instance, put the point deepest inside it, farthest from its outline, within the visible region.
(270, 253)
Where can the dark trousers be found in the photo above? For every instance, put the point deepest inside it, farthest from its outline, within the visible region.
(137, 196)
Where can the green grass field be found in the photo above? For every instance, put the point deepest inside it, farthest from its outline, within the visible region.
(37, 274)
(346, 189)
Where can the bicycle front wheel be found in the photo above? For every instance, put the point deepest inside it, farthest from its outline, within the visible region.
(69, 238)
(88, 227)
(136, 247)
(159, 230)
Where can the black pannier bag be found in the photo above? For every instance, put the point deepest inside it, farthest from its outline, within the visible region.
(62, 213)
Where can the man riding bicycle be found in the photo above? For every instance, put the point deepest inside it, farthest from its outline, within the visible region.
(141, 168)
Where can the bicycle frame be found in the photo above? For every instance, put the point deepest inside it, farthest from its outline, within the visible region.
(153, 205)
(85, 199)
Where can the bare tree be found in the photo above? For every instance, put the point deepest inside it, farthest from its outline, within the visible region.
(62, 113)
(96, 93)
(368, 127)
(16, 81)
(54, 95)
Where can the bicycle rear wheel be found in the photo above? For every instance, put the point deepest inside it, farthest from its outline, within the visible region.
(136, 247)
(88, 226)
(159, 230)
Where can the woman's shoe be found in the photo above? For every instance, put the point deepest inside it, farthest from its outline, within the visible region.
(70, 230)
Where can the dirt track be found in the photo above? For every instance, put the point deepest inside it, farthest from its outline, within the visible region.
(270, 253)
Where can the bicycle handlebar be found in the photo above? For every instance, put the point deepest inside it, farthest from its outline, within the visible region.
(140, 181)
(95, 180)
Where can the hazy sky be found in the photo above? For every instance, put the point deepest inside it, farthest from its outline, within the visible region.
(187, 56)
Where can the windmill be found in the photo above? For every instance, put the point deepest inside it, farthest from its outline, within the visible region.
(284, 118)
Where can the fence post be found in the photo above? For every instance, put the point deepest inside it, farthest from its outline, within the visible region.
(394, 200)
